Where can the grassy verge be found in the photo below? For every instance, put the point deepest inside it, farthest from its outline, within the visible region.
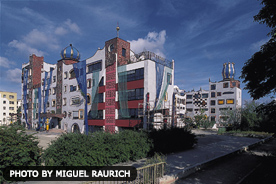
(253, 134)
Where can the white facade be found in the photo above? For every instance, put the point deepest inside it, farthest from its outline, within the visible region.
(224, 95)
(4, 114)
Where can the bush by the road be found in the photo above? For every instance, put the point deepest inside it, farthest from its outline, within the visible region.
(17, 148)
(97, 149)
(171, 140)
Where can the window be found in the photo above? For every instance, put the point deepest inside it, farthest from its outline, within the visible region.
(100, 98)
(72, 74)
(11, 97)
(225, 109)
(4, 108)
(75, 101)
(225, 85)
(197, 96)
(97, 66)
(65, 114)
(11, 108)
(53, 103)
(166, 97)
(73, 88)
(4, 114)
(49, 92)
(11, 102)
(213, 110)
(228, 93)
(133, 113)
(218, 93)
(124, 52)
(213, 94)
(88, 83)
(189, 102)
(189, 110)
(65, 88)
(221, 102)
(75, 114)
(88, 99)
(64, 101)
(99, 115)
(4, 102)
(169, 79)
(205, 95)
(133, 75)
(213, 102)
(213, 118)
(213, 87)
(4, 96)
(101, 82)
(136, 94)
(54, 91)
(81, 114)
(48, 104)
(65, 75)
(54, 79)
(230, 101)
(189, 96)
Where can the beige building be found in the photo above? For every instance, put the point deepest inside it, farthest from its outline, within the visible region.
(8, 107)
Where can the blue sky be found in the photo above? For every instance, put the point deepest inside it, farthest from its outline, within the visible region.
(199, 35)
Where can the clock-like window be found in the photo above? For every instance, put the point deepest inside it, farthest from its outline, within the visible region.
(110, 48)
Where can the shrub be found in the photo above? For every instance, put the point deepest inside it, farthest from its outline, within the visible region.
(17, 148)
(171, 140)
(97, 149)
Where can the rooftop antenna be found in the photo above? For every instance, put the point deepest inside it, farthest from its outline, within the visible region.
(118, 28)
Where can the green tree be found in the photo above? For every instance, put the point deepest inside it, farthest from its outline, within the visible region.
(202, 120)
(231, 118)
(268, 114)
(259, 72)
(250, 118)
(17, 148)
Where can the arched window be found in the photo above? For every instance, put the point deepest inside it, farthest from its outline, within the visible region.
(72, 74)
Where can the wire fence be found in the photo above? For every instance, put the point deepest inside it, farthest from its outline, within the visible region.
(149, 174)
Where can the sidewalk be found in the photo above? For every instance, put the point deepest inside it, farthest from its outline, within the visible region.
(210, 147)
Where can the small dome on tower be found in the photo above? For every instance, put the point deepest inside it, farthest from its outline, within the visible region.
(70, 52)
(228, 71)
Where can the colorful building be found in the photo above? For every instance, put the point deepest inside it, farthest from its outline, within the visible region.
(222, 95)
(122, 89)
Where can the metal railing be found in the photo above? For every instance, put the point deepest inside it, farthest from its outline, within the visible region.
(149, 174)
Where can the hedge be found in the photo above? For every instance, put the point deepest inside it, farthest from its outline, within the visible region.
(96, 149)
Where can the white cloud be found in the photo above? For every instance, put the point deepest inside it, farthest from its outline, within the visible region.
(60, 31)
(39, 38)
(4, 62)
(23, 47)
(153, 42)
(72, 26)
(257, 45)
(14, 75)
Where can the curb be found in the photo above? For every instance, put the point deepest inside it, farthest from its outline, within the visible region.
(168, 179)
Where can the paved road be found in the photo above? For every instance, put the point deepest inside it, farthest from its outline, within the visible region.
(44, 137)
(254, 166)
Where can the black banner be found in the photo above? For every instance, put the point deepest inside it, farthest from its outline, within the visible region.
(79, 173)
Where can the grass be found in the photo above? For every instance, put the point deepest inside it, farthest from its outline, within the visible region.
(254, 134)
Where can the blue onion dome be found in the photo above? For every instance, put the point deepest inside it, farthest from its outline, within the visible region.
(228, 71)
(70, 52)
